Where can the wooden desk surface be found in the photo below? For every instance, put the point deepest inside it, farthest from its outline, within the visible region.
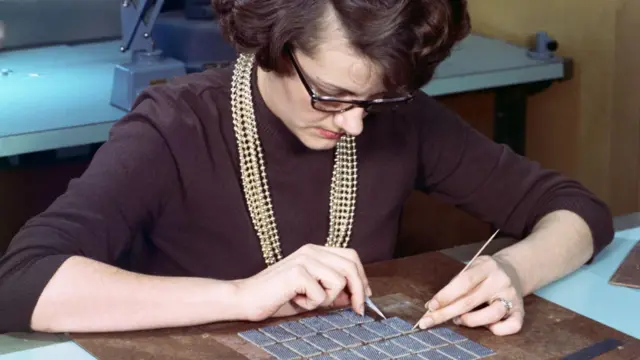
(550, 331)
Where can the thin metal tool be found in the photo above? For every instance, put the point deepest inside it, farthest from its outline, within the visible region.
(478, 253)
(466, 267)
(373, 307)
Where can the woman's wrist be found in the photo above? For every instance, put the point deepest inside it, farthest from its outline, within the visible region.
(226, 303)
(512, 271)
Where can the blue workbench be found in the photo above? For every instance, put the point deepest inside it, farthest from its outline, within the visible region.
(58, 97)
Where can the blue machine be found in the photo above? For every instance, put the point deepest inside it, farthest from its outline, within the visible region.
(193, 37)
(165, 45)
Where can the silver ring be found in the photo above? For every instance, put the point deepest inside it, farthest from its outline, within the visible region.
(507, 304)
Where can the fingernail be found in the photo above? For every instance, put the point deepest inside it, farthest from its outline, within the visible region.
(362, 309)
(426, 322)
(456, 320)
(369, 292)
(433, 305)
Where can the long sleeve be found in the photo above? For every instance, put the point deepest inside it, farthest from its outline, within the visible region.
(97, 217)
(460, 166)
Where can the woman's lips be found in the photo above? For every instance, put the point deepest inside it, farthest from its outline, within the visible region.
(327, 134)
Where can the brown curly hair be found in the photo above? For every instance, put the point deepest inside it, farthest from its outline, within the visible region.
(407, 39)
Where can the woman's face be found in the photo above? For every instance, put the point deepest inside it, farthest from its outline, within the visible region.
(333, 70)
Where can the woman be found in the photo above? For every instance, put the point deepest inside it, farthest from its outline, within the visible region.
(215, 198)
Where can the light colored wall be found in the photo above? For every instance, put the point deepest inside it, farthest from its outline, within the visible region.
(587, 127)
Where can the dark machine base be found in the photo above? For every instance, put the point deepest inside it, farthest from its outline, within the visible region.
(198, 43)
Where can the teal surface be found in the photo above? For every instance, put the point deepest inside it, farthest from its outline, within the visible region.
(57, 87)
(588, 292)
(12, 343)
(64, 350)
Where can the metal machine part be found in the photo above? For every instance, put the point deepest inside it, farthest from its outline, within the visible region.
(166, 45)
(544, 48)
(193, 37)
(148, 65)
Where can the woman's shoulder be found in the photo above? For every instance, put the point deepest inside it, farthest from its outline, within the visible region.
(191, 91)
(183, 105)
(427, 116)
(427, 109)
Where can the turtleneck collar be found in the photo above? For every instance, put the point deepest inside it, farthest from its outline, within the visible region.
(273, 132)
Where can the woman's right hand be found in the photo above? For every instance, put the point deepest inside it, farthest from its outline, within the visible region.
(314, 276)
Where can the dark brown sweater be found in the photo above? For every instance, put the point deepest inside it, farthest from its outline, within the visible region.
(163, 194)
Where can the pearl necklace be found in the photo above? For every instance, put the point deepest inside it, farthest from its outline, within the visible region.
(342, 198)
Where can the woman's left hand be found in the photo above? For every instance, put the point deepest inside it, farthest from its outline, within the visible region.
(487, 281)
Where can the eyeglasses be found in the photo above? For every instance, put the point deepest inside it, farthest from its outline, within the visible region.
(336, 105)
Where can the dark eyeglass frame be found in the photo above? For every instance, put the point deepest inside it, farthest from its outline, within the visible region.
(367, 105)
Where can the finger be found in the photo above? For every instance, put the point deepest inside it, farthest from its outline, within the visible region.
(462, 305)
(290, 308)
(331, 280)
(355, 258)
(341, 300)
(510, 325)
(349, 270)
(458, 287)
(307, 285)
(488, 315)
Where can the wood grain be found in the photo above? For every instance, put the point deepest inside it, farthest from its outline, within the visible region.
(400, 288)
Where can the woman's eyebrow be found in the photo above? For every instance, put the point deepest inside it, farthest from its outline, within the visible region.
(335, 90)
(331, 88)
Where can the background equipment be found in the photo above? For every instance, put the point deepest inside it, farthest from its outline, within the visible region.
(164, 45)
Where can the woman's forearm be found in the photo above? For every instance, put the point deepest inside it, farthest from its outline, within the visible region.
(88, 296)
(559, 244)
